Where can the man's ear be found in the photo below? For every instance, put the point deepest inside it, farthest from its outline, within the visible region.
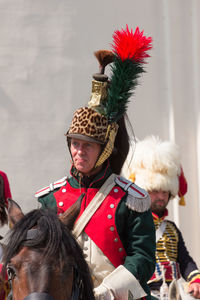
(15, 213)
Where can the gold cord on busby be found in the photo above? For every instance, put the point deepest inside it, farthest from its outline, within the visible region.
(98, 122)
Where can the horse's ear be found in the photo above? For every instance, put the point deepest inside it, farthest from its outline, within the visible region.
(15, 213)
(69, 216)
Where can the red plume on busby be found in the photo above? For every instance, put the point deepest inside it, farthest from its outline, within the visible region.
(182, 187)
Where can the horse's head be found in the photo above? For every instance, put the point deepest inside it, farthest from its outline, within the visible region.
(43, 259)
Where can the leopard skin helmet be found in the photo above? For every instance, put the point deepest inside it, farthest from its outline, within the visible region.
(98, 122)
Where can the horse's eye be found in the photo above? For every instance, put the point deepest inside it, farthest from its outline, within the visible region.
(11, 272)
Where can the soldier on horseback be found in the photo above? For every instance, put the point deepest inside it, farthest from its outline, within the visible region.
(115, 227)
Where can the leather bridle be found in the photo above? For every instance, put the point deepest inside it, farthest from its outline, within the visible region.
(38, 296)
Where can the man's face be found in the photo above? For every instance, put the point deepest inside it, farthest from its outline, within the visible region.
(85, 155)
(159, 201)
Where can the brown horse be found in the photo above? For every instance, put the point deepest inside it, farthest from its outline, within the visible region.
(42, 258)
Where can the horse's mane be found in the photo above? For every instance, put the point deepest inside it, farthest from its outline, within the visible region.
(53, 238)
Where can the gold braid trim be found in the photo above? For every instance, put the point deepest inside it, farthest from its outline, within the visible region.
(192, 278)
(166, 247)
(111, 133)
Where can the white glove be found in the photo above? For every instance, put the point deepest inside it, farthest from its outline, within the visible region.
(102, 292)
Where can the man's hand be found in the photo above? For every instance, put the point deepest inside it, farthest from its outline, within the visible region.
(103, 293)
(194, 290)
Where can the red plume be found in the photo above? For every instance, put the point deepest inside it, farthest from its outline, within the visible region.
(131, 46)
(182, 184)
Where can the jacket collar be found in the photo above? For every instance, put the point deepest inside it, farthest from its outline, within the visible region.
(156, 218)
(78, 180)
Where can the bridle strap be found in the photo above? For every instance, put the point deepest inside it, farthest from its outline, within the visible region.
(38, 296)
(77, 285)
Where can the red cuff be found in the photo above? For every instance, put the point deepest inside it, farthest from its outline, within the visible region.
(197, 280)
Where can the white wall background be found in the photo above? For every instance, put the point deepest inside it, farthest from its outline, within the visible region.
(46, 64)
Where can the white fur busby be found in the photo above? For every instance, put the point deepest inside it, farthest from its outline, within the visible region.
(156, 165)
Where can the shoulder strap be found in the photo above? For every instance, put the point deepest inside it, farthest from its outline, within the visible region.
(94, 205)
(51, 187)
(137, 198)
(160, 230)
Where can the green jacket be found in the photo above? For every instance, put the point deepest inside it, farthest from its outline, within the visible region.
(135, 228)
